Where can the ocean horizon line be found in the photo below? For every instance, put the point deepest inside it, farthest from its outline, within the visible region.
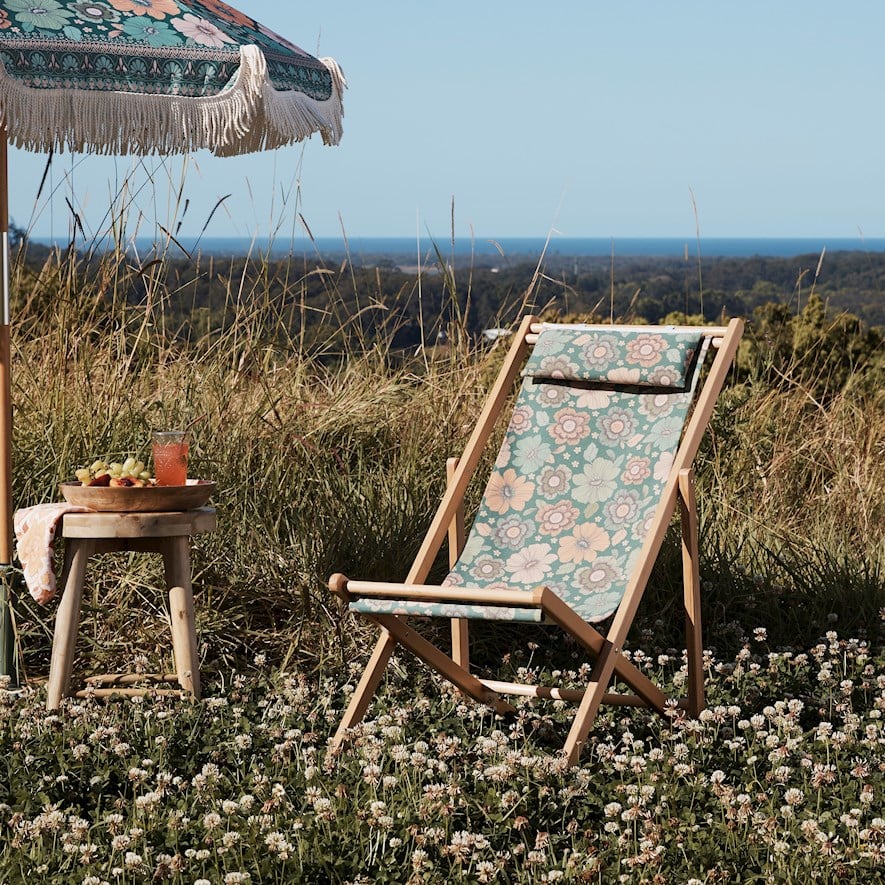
(503, 247)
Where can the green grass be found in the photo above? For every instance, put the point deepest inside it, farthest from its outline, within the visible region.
(329, 449)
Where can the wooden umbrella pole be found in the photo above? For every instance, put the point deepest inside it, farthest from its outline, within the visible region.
(7, 642)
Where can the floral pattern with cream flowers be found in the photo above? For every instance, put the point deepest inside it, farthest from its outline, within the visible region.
(622, 508)
(598, 577)
(667, 432)
(504, 454)
(583, 544)
(528, 566)
(513, 531)
(201, 31)
(520, 420)
(532, 453)
(556, 518)
(617, 426)
(600, 352)
(558, 367)
(623, 375)
(642, 527)
(646, 350)
(655, 405)
(665, 376)
(553, 481)
(638, 469)
(617, 355)
(487, 569)
(554, 394)
(663, 466)
(596, 482)
(594, 400)
(507, 491)
(570, 426)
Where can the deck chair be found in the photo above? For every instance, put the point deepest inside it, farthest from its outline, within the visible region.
(596, 460)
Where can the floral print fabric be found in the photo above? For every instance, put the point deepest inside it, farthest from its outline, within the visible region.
(578, 477)
(35, 529)
(648, 357)
(445, 610)
(163, 47)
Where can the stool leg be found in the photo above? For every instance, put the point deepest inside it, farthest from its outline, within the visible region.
(67, 620)
(177, 561)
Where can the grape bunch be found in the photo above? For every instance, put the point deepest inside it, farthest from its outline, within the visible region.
(118, 473)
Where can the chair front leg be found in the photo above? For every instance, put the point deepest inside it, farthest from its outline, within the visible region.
(366, 688)
(594, 695)
(442, 663)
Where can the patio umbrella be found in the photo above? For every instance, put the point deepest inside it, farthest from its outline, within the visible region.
(141, 77)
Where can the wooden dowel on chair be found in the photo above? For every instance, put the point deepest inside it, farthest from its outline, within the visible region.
(714, 342)
(432, 593)
(130, 692)
(550, 692)
(130, 678)
(706, 331)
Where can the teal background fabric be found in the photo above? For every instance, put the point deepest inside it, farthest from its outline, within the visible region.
(577, 480)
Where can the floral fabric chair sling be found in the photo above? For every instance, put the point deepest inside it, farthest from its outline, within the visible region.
(591, 469)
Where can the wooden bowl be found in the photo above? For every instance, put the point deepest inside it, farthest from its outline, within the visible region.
(150, 499)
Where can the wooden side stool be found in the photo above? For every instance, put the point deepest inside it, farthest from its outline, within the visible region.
(165, 533)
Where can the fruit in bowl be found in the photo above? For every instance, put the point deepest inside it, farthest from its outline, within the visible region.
(130, 473)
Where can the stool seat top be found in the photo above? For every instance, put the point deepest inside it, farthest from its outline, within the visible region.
(139, 525)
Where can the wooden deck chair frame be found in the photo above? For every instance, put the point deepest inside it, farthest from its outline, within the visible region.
(606, 650)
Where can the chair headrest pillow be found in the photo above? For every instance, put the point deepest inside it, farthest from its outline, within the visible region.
(643, 357)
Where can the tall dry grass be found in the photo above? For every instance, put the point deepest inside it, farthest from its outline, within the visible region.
(329, 451)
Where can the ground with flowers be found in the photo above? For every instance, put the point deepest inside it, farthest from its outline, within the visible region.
(329, 449)
(780, 780)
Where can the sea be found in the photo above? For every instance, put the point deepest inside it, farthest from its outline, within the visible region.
(510, 247)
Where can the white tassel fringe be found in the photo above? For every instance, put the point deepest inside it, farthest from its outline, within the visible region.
(250, 116)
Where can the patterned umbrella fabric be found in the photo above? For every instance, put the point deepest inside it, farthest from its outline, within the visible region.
(157, 76)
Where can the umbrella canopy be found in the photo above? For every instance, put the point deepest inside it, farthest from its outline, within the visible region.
(141, 77)
(157, 76)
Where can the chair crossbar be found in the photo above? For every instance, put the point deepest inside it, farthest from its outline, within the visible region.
(431, 593)
(552, 692)
(703, 331)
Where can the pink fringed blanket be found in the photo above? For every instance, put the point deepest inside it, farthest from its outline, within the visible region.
(35, 529)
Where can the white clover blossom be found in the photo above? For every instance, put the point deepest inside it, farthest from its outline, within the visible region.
(133, 861)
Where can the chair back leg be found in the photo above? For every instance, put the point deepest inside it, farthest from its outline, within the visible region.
(457, 538)
(366, 688)
(691, 582)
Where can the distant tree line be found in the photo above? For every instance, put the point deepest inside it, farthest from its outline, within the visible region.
(798, 308)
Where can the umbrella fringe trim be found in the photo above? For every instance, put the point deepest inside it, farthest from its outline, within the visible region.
(249, 116)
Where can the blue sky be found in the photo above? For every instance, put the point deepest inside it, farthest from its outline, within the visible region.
(597, 119)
